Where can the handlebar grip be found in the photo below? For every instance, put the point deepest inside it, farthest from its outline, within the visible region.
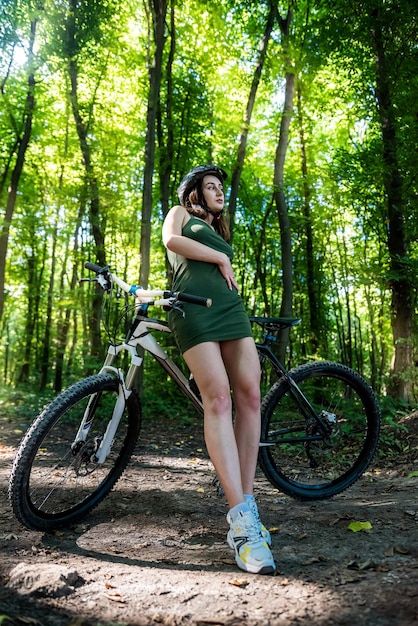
(93, 267)
(187, 297)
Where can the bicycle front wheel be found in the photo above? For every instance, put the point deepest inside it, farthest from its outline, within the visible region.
(55, 483)
(295, 454)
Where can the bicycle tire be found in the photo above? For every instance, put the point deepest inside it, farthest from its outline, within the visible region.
(51, 485)
(336, 461)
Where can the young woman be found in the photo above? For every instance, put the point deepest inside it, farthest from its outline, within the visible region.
(219, 349)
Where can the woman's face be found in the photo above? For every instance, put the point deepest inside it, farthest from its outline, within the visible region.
(213, 192)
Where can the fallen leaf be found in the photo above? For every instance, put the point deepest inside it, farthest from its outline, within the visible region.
(315, 559)
(240, 582)
(358, 526)
(369, 564)
(115, 597)
(413, 474)
(302, 536)
(200, 490)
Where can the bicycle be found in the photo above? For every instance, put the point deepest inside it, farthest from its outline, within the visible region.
(320, 422)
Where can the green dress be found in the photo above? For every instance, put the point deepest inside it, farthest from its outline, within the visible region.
(226, 318)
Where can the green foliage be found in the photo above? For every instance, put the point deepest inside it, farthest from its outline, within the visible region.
(19, 406)
(334, 171)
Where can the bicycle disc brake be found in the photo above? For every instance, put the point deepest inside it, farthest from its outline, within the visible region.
(328, 421)
(85, 461)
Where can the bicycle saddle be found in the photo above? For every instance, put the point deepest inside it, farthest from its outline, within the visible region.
(276, 323)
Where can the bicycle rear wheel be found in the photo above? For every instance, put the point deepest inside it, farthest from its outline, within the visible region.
(54, 484)
(294, 454)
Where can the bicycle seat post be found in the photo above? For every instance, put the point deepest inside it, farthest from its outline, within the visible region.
(269, 337)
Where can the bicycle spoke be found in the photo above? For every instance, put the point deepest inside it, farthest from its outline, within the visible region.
(299, 458)
(55, 480)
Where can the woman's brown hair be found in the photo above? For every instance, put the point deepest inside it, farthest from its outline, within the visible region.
(194, 203)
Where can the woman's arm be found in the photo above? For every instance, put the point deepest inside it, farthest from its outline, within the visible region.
(184, 246)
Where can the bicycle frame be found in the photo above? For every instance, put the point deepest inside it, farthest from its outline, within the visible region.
(139, 335)
(306, 451)
(323, 420)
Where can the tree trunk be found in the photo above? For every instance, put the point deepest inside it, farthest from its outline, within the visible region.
(35, 264)
(313, 286)
(236, 174)
(403, 291)
(166, 147)
(46, 347)
(93, 200)
(158, 10)
(260, 268)
(23, 144)
(282, 212)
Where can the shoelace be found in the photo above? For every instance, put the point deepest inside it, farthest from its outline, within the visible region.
(251, 529)
(254, 511)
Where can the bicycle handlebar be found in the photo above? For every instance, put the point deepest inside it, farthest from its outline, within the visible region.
(146, 295)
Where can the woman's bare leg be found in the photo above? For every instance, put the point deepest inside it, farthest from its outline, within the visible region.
(242, 363)
(206, 363)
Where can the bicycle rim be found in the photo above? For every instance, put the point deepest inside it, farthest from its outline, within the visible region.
(52, 484)
(295, 455)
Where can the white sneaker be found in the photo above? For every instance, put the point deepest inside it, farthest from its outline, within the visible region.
(252, 553)
(263, 530)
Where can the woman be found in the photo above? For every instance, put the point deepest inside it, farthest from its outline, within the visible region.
(219, 349)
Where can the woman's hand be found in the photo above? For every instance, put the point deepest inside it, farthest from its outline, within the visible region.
(227, 272)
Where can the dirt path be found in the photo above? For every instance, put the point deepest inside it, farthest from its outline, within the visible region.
(154, 552)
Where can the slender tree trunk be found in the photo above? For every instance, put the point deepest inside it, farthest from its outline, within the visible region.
(35, 264)
(282, 212)
(313, 284)
(23, 375)
(46, 345)
(236, 174)
(346, 279)
(166, 147)
(403, 291)
(96, 221)
(23, 144)
(258, 246)
(158, 10)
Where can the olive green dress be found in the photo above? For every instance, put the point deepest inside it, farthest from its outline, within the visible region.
(226, 318)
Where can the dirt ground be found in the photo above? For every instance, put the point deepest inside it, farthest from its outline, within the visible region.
(154, 552)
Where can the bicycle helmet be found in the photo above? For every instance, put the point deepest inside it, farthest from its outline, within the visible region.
(196, 174)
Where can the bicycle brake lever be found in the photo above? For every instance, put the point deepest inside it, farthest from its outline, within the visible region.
(177, 306)
(87, 280)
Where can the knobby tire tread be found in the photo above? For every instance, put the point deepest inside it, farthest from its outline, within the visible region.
(356, 383)
(19, 480)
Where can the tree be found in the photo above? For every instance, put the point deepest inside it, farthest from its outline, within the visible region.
(239, 164)
(23, 130)
(387, 56)
(157, 17)
(279, 184)
(403, 289)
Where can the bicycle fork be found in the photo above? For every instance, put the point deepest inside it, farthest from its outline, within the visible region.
(104, 444)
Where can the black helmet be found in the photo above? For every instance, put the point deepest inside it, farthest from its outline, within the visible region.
(196, 174)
